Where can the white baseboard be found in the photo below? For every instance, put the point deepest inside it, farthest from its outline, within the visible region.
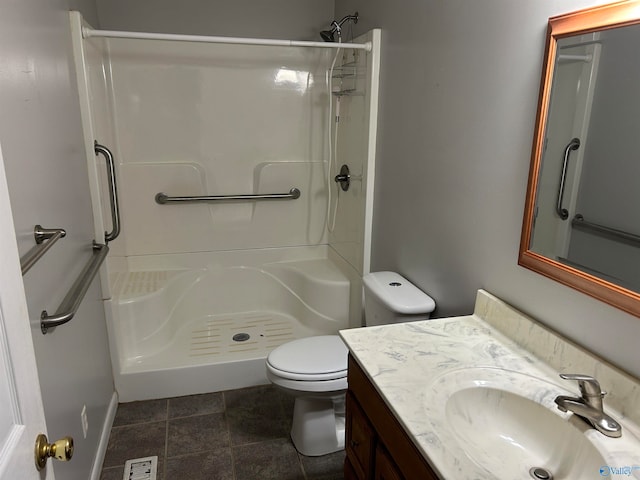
(96, 469)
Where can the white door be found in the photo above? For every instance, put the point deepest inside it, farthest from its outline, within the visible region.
(21, 410)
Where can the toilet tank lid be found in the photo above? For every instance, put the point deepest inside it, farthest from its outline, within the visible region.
(397, 293)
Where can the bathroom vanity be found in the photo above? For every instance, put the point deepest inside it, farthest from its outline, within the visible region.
(376, 444)
(473, 397)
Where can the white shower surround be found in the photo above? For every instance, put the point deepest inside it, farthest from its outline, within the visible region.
(198, 119)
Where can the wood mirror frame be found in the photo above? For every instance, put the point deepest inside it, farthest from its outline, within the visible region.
(585, 21)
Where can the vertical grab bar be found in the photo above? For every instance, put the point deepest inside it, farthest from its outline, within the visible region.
(574, 144)
(113, 192)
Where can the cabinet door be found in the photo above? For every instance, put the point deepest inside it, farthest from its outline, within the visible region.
(360, 440)
(349, 471)
(385, 469)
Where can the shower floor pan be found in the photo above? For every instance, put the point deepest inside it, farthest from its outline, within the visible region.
(226, 338)
(204, 357)
(211, 329)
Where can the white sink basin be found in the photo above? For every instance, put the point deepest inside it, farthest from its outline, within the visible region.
(508, 425)
(497, 427)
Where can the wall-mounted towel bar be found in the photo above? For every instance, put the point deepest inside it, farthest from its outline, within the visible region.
(45, 238)
(163, 198)
(71, 302)
(620, 235)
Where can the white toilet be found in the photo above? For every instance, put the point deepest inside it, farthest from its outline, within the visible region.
(314, 369)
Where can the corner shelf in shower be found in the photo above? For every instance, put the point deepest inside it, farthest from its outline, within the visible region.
(342, 75)
(351, 92)
(352, 72)
(349, 72)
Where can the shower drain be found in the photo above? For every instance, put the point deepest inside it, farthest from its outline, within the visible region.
(540, 473)
(241, 337)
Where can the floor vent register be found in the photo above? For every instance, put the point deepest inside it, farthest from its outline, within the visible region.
(141, 469)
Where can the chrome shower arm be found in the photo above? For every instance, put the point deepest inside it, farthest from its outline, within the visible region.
(336, 27)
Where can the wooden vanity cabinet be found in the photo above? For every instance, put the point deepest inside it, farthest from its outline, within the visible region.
(377, 446)
(360, 439)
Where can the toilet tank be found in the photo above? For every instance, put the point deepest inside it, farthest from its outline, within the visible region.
(391, 298)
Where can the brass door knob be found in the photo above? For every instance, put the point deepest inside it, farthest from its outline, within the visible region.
(61, 450)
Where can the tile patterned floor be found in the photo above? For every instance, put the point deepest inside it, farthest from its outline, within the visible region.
(234, 435)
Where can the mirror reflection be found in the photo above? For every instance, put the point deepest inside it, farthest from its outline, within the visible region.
(587, 211)
(581, 224)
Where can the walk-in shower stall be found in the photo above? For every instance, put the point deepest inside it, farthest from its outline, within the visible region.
(234, 236)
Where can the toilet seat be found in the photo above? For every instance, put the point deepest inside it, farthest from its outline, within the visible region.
(314, 359)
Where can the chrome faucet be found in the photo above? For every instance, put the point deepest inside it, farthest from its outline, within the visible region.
(589, 405)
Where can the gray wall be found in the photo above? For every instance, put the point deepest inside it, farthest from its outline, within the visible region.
(41, 139)
(459, 87)
(284, 19)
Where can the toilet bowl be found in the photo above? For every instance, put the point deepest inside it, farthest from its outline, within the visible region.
(314, 369)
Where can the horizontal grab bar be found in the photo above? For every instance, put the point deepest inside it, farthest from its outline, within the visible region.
(71, 302)
(45, 238)
(564, 57)
(163, 198)
(579, 222)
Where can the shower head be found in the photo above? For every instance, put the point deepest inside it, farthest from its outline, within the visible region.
(328, 35)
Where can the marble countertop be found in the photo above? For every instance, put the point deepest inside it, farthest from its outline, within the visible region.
(416, 366)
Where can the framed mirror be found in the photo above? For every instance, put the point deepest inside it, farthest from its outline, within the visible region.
(581, 222)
